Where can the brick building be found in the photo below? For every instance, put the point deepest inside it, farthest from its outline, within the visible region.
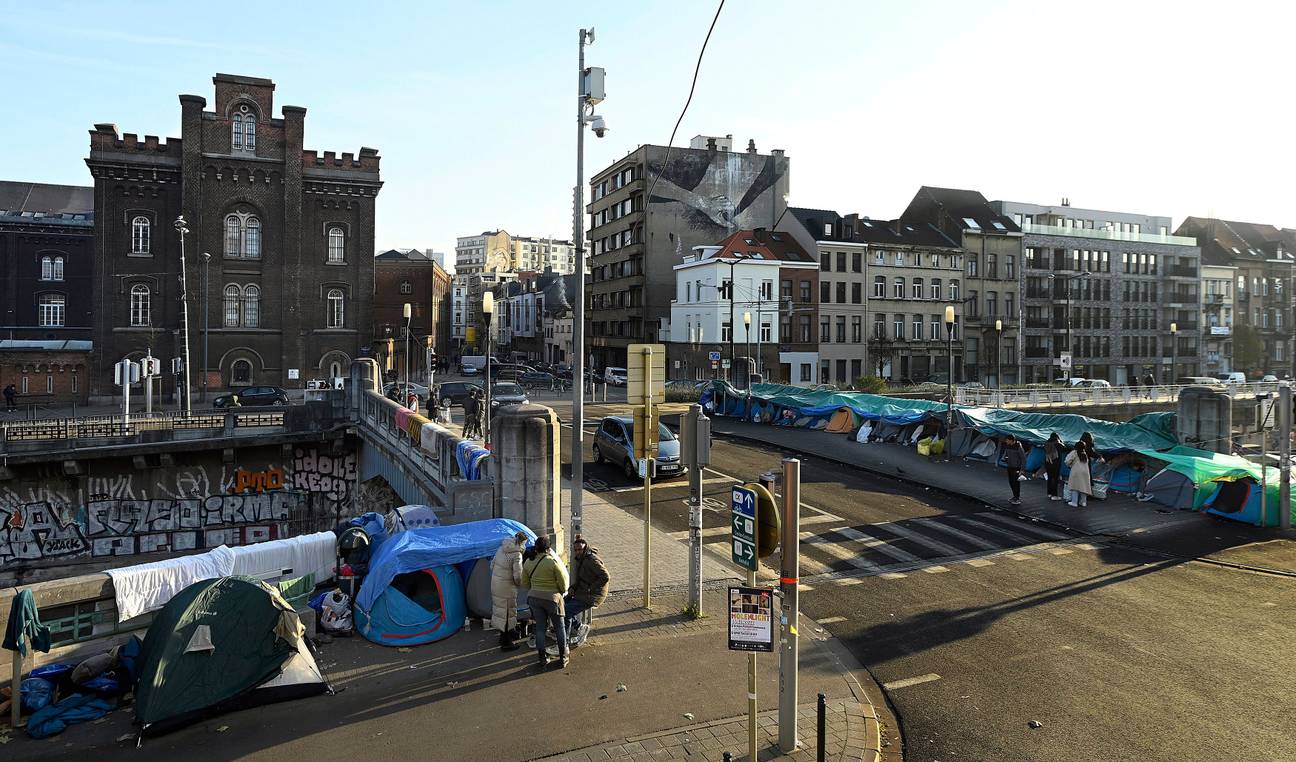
(290, 279)
(46, 271)
(410, 276)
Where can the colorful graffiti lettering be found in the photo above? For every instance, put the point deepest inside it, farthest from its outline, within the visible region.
(271, 478)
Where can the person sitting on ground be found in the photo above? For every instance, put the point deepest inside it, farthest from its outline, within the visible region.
(1015, 461)
(506, 578)
(589, 586)
(545, 578)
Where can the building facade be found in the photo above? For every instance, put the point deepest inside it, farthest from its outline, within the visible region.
(645, 214)
(1217, 309)
(1107, 287)
(278, 254)
(1264, 258)
(409, 276)
(992, 277)
(499, 251)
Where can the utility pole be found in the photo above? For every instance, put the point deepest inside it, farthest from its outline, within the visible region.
(180, 226)
(206, 258)
(789, 579)
(696, 430)
(1284, 454)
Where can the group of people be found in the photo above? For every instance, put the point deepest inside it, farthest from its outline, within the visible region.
(556, 595)
(10, 398)
(1080, 459)
(474, 413)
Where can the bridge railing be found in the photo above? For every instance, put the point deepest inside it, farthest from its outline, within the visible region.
(433, 447)
(1113, 395)
(119, 426)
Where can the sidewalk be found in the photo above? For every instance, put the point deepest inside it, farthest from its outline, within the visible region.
(648, 685)
(1150, 525)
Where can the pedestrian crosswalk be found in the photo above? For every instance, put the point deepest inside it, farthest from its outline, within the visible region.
(933, 544)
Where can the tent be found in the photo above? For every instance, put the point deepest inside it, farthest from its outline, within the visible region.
(843, 421)
(414, 593)
(1173, 489)
(1238, 500)
(411, 517)
(1148, 431)
(220, 645)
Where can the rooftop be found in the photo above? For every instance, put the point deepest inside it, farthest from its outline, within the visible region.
(1225, 242)
(755, 244)
(952, 209)
(43, 203)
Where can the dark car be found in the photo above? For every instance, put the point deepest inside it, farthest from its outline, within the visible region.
(455, 391)
(253, 396)
(537, 380)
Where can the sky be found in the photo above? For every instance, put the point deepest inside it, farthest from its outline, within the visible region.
(1161, 108)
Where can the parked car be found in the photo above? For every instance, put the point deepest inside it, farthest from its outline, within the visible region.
(614, 376)
(971, 385)
(1201, 381)
(614, 443)
(398, 390)
(1093, 383)
(1232, 378)
(253, 396)
(455, 391)
(510, 372)
(536, 379)
(507, 393)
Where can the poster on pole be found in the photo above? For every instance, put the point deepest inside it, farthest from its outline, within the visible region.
(751, 619)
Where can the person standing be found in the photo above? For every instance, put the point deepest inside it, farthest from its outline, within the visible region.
(1053, 453)
(470, 407)
(1149, 381)
(10, 395)
(1078, 480)
(506, 578)
(1014, 461)
(546, 580)
(589, 585)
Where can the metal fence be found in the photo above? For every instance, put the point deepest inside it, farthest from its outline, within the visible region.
(1112, 395)
(118, 426)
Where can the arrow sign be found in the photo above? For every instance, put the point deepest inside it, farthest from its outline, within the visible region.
(743, 523)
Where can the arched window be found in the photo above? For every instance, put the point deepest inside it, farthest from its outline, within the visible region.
(50, 310)
(251, 306)
(47, 268)
(406, 287)
(140, 305)
(232, 294)
(140, 235)
(252, 237)
(241, 373)
(336, 309)
(58, 268)
(336, 245)
(233, 236)
(249, 131)
(237, 134)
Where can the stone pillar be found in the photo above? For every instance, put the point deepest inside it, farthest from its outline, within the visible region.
(365, 377)
(527, 476)
(1205, 419)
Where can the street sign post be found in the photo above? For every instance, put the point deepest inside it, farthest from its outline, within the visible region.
(125, 373)
(695, 446)
(646, 384)
(1064, 361)
(743, 523)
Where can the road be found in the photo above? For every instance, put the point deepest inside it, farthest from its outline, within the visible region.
(977, 622)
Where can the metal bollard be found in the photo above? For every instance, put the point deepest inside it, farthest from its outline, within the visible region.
(822, 731)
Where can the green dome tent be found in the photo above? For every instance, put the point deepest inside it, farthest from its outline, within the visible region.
(220, 645)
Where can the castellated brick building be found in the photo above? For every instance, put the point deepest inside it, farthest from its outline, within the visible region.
(279, 249)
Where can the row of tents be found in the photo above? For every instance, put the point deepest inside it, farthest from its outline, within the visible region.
(1144, 455)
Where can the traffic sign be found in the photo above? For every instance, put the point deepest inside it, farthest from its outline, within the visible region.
(646, 373)
(713, 356)
(743, 523)
(1065, 361)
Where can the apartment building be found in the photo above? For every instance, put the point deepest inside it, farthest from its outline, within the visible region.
(883, 287)
(1217, 308)
(650, 208)
(1265, 260)
(1115, 289)
(499, 251)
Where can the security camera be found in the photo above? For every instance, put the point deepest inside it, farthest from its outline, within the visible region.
(599, 126)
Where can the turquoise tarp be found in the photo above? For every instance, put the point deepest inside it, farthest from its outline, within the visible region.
(1204, 467)
(872, 407)
(1152, 431)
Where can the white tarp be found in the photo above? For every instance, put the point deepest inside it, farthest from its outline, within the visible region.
(143, 588)
(302, 555)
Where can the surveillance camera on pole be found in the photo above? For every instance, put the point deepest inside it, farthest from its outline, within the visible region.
(599, 126)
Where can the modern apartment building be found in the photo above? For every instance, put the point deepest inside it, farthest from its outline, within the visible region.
(883, 287)
(992, 277)
(1115, 289)
(1217, 308)
(649, 209)
(499, 251)
(1265, 258)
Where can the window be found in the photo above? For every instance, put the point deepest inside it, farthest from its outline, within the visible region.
(825, 292)
(934, 328)
(972, 304)
(408, 288)
(726, 331)
(50, 310)
(805, 329)
(825, 262)
(992, 303)
(879, 326)
(766, 332)
(805, 293)
(251, 306)
(972, 266)
(140, 303)
(898, 289)
(805, 372)
(841, 261)
(879, 286)
(954, 291)
(236, 133)
(841, 329)
(857, 293)
(936, 288)
(825, 330)
(857, 329)
(243, 129)
(1010, 266)
(242, 236)
(249, 131)
(1010, 308)
(992, 266)
(899, 259)
(857, 262)
(917, 327)
(785, 290)
(336, 246)
(232, 295)
(252, 239)
(140, 235)
(51, 268)
(841, 292)
(336, 309)
(241, 373)
(917, 288)
(898, 331)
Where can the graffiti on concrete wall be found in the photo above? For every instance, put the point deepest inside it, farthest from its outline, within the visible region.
(172, 510)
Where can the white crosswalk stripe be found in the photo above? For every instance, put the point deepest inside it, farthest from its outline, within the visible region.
(959, 533)
(881, 546)
(1018, 524)
(921, 539)
(837, 551)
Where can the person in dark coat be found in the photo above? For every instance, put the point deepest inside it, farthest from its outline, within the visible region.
(1054, 451)
(589, 582)
(472, 415)
(1014, 460)
(10, 394)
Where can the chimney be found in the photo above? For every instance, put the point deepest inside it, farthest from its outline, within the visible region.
(751, 146)
(711, 144)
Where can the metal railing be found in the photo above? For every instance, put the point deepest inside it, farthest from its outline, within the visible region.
(118, 426)
(1113, 395)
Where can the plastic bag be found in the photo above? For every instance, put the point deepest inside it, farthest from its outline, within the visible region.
(924, 446)
(37, 693)
(335, 616)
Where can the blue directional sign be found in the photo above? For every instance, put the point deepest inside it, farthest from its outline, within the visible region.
(713, 356)
(743, 523)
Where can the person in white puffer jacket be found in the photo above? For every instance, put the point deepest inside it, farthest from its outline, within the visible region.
(506, 578)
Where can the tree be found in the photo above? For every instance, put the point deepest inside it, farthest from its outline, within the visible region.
(1248, 349)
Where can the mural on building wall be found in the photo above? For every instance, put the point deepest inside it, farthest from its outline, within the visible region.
(174, 509)
(720, 190)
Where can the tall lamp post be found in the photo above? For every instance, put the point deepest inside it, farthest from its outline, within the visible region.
(1066, 284)
(589, 93)
(206, 258)
(999, 354)
(408, 313)
(488, 307)
(747, 359)
(1174, 352)
(949, 379)
(184, 312)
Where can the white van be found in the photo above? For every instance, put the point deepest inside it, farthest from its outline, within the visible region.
(1232, 378)
(614, 376)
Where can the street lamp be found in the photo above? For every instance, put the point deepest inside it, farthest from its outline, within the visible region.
(1066, 283)
(949, 379)
(184, 312)
(589, 93)
(206, 258)
(1174, 351)
(747, 360)
(999, 354)
(408, 313)
(488, 307)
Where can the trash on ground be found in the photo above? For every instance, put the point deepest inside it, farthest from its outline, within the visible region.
(688, 715)
(621, 688)
(222, 728)
(126, 737)
(1035, 724)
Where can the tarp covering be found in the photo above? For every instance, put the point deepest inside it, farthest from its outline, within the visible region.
(1202, 467)
(1150, 431)
(807, 402)
(418, 549)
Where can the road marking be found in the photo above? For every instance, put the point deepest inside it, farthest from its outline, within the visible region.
(1061, 551)
(837, 551)
(1009, 533)
(1018, 524)
(959, 533)
(805, 587)
(935, 569)
(908, 681)
(1019, 556)
(979, 562)
(919, 538)
(1088, 546)
(893, 575)
(832, 620)
(850, 581)
(880, 546)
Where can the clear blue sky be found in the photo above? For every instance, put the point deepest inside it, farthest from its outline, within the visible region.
(1160, 108)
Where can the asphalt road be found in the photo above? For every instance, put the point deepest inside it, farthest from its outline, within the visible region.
(977, 623)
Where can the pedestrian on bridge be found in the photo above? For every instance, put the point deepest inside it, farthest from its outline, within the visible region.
(10, 394)
(506, 578)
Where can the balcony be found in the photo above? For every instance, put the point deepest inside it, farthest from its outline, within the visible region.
(1179, 271)
(1107, 235)
(1036, 352)
(1037, 322)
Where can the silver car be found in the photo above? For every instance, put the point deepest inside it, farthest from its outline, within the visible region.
(614, 443)
(507, 393)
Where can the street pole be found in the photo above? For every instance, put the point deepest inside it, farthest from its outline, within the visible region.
(1174, 352)
(733, 327)
(184, 312)
(409, 312)
(696, 429)
(647, 463)
(147, 373)
(206, 318)
(578, 309)
(488, 307)
(1284, 455)
(751, 686)
(789, 579)
(747, 360)
(949, 379)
